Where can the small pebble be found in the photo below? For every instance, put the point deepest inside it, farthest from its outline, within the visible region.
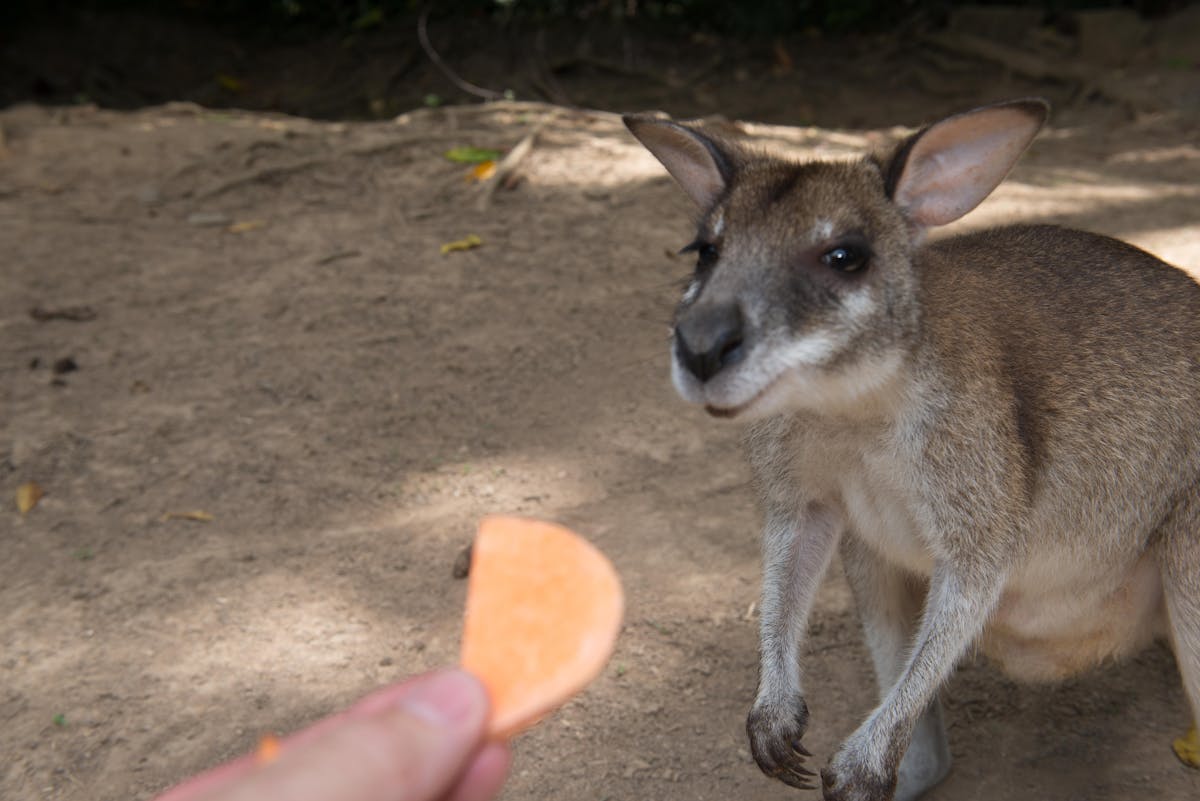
(149, 195)
(462, 563)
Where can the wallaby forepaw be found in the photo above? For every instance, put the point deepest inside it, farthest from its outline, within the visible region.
(848, 780)
(860, 787)
(1187, 748)
(775, 734)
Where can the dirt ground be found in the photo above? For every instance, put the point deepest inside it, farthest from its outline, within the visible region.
(277, 342)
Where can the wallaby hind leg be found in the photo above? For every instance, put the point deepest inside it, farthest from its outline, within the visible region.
(889, 604)
(1179, 555)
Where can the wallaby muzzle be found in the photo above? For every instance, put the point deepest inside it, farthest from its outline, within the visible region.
(709, 339)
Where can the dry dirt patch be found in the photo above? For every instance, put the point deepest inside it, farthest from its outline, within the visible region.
(278, 342)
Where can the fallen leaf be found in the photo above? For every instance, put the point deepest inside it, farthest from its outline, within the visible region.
(1187, 748)
(472, 155)
(246, 225)
(76, 314)
(195, 514)
(467, 243)
(482, 171)
(28, 495)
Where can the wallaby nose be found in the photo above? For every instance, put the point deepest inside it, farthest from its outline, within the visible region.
(709, 340)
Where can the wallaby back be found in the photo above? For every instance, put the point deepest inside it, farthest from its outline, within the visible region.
(1089, 346)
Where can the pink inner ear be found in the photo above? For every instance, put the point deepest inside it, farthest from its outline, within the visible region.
(687, 158)
(958, 162)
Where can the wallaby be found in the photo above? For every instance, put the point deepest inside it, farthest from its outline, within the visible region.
(999, 431)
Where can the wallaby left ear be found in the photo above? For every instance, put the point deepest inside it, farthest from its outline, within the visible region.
(944, 171)
(701, 166)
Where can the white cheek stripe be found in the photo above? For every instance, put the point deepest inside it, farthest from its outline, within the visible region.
(809, 351)
(859, 305)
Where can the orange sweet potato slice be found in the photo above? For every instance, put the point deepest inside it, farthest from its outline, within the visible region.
(543, 611)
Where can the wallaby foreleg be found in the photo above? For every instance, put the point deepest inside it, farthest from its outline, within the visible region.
(796, 553)
(889, 604)
(958, 606)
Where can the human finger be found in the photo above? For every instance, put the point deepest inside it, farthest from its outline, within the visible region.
(484, 776)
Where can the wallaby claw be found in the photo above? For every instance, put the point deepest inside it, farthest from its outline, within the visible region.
(775, 734)
(791, 779)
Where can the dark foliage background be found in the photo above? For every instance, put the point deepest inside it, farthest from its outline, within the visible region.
(297, 18)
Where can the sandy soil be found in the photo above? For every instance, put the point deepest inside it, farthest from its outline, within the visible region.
(277, 342)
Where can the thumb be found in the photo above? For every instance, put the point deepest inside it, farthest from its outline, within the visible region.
(410, 744)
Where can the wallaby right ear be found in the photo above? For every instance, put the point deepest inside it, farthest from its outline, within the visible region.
(696, 162)
(944, 171)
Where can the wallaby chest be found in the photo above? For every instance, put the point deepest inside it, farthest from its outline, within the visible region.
(881, 511)
(871, 475)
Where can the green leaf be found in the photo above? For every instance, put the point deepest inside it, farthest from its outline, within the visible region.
(472, 155)
(60, 719)
(370, 19)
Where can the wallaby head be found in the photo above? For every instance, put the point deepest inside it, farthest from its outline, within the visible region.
(805, 293)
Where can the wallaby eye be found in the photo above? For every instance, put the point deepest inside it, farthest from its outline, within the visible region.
(845, 258)
(706, 254)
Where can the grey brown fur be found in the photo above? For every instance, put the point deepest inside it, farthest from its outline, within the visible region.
(999, 432)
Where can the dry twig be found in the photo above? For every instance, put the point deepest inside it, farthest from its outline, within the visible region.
(256, 175)
(507, 167)
(427, 46)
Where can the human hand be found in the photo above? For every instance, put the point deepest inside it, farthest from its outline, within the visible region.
(420, 740)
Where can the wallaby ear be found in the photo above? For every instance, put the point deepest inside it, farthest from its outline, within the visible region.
(944, 171)
(697, 163)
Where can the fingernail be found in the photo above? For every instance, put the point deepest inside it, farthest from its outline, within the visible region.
(447, 698)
